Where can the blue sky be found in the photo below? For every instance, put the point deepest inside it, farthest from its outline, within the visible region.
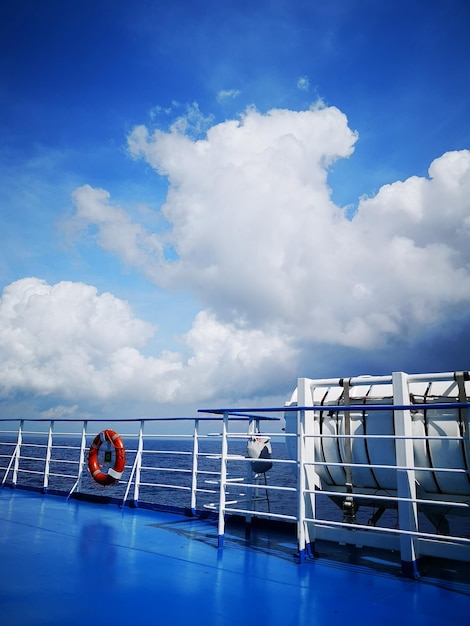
(201, 202)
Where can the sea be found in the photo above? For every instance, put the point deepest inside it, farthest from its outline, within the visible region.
(166, 473)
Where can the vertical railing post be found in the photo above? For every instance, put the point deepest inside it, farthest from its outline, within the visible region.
(406, 480)
(194, 466)
(138, 463)
(302, 532)
(307, 477)
(301, 524)
(18, 454)
(13, 458)
(81, 461)
(222, 484)
(47, 466)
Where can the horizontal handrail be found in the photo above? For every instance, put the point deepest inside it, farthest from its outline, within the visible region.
(137, 420)
(358, 495)
(334, 408)
(404, 468)
(202, 471)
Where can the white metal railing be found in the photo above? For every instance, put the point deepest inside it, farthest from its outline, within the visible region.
(405, 518)
(409, 496)
(171, 462)
(182, 462)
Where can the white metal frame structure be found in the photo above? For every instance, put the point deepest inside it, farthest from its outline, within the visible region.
(397, 443)
(418, 453)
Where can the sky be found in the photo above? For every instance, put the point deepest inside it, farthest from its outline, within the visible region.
(202, 202)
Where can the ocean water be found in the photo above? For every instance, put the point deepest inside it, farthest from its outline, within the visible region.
(165, 477)
(165, 474)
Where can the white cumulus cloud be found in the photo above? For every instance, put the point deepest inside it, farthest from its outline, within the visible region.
(67, 340)
(260, 241)
(277, 268)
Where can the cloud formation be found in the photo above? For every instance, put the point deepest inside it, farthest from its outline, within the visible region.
(277, 267)
(261, 244)
(225, 94)
(67, 340)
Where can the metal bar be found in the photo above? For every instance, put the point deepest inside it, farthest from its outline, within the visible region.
(368, 380)
(194, 466)
(129, 482)
(349, 510)
(223, 479)
(396, 531)
(390, 437)
(303, 536)
(18, 453)
(45, 483)
(81, 461)
(264, 514)
(419, 468)
(342, 407)
(391, 498)
(406, 479)
(138, 462)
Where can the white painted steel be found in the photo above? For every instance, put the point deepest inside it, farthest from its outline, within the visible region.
(194, 465)
(445, 447)
(223, 479)
(401, 458)
(48, 457)
(406, 479)
(19, 441)
(318, 452)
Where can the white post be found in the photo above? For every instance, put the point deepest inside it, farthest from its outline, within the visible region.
(194, 466)
(13, 458)
(222, 484)
(305, 538)
(45, 484)
(406, 480)
(82, 454)
(81, 462)
(18, 453)
(138, 463)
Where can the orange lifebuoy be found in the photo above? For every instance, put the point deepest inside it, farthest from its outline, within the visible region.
(114, 473)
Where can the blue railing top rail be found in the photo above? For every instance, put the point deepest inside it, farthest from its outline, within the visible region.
(341, 407)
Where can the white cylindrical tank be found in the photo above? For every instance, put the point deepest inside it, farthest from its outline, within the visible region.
(447, 448)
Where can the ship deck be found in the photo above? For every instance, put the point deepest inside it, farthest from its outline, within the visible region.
(78, 562)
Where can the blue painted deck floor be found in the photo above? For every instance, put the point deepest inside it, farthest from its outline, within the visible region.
(74, 562)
